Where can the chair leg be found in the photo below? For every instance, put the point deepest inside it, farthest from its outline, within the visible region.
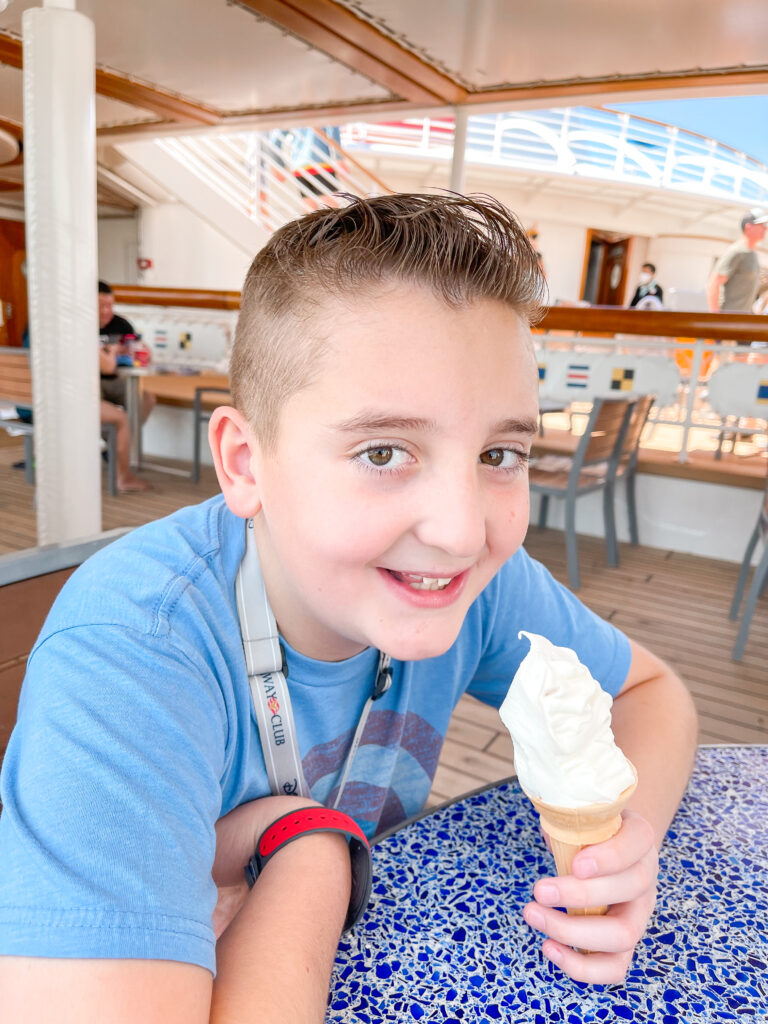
(571, 544)
(543, 510)
(29, 459)
(112, 459)
(743, 574)
(758, 582)
(634, 535)
(609, 523)
(195, 474)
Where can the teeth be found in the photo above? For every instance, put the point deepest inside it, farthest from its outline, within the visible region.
(425, 582)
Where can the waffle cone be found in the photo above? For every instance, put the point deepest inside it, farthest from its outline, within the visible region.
(570, 829)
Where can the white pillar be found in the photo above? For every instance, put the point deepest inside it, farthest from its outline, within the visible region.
(460, 119)
(60, 201)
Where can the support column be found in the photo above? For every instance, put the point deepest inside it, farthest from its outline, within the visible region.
(461, 117)
(60, 203)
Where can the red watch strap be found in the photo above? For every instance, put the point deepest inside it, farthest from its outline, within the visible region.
(304, 821)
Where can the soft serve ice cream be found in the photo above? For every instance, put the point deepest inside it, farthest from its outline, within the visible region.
(559, 719)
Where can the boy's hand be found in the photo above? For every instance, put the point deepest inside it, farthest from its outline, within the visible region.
(620, 873)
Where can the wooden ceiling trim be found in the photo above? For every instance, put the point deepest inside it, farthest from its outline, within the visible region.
(117, 86)
(264, 119)
(10, 50)
(334, 30)
(165, 104)
(603, 86)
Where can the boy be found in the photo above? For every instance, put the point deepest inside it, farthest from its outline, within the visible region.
(373, 469)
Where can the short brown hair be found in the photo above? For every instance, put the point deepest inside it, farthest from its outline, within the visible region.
(462, 248)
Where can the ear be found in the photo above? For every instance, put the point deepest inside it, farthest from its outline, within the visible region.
(233, 447)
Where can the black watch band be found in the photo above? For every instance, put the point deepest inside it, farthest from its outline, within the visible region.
(304, 821)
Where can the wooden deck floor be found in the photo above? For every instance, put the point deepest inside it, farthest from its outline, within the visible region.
(676, 604)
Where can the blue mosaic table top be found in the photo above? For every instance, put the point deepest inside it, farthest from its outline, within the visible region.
(444, 939)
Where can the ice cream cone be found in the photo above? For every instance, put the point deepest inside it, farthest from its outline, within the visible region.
(570, 829)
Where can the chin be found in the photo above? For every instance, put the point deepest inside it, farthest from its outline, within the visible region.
(420, 648)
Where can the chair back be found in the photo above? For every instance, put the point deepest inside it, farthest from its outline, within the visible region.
(603, 437)
(637, 420)
(740, 389)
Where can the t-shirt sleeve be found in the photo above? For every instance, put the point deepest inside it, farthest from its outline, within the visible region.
(110, 793)
(525, 596)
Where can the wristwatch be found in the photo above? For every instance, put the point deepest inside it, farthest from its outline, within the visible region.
(304, 821)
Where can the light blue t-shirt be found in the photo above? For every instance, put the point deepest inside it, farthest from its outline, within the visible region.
(136, 733)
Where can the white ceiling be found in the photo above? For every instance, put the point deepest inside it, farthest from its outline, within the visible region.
(490, 43)
(226, 56)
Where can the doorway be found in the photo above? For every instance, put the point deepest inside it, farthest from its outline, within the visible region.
(13, 282)
(605, 268)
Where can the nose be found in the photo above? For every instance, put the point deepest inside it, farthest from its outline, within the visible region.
(452, 514)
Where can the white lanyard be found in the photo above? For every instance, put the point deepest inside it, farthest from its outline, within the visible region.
(265, 663)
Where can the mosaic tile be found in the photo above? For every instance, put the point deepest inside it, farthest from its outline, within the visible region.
(444, 939)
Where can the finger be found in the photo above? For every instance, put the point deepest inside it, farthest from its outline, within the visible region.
(633, 840)
(618, 931)
(575, 893)
(592, 968)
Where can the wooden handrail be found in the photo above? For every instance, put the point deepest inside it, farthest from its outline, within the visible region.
(743, 327)
(196, 298)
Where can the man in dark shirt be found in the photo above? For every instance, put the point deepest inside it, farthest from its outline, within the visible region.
(114, 328)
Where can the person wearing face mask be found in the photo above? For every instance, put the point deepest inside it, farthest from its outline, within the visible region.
(647, 288)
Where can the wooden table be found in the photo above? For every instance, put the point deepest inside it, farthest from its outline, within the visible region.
(171, 388)
(444, 939)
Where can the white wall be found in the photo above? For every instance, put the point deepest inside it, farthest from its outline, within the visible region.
(562, 246)
(689, 516)
(118, 240)
(186, 252)
(684, 263)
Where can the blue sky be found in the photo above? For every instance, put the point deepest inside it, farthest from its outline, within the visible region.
(738, 121)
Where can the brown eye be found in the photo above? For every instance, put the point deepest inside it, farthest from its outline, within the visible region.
(493, 457)
(379, 456)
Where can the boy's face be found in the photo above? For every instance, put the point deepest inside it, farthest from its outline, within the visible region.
(398, 484)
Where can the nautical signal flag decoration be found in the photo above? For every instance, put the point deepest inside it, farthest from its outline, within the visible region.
(762, 391)
(577, 375)
(622, 378)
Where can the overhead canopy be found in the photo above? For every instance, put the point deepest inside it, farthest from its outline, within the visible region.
(169, 64)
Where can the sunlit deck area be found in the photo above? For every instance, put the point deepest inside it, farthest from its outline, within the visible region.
(675, 603)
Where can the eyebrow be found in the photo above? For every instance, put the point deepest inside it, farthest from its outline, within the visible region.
(367, 422)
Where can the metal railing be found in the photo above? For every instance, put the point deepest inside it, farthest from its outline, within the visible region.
(273, 177)
(697, 343)
(579, 141)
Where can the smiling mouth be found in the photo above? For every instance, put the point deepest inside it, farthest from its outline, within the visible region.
(418, 582)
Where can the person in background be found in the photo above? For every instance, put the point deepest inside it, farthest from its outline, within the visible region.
(113, 329)
(647, 288)
(734, 282)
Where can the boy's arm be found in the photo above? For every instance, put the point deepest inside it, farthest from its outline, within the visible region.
(654, 723)
(273, 960)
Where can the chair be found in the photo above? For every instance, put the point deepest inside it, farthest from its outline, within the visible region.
(626, 468)
(201, 415)
(592, 468)
(759, 579)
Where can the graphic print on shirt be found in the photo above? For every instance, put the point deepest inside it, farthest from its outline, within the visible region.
(391, 775)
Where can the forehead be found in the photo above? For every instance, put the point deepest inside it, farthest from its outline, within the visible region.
(409, 341)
